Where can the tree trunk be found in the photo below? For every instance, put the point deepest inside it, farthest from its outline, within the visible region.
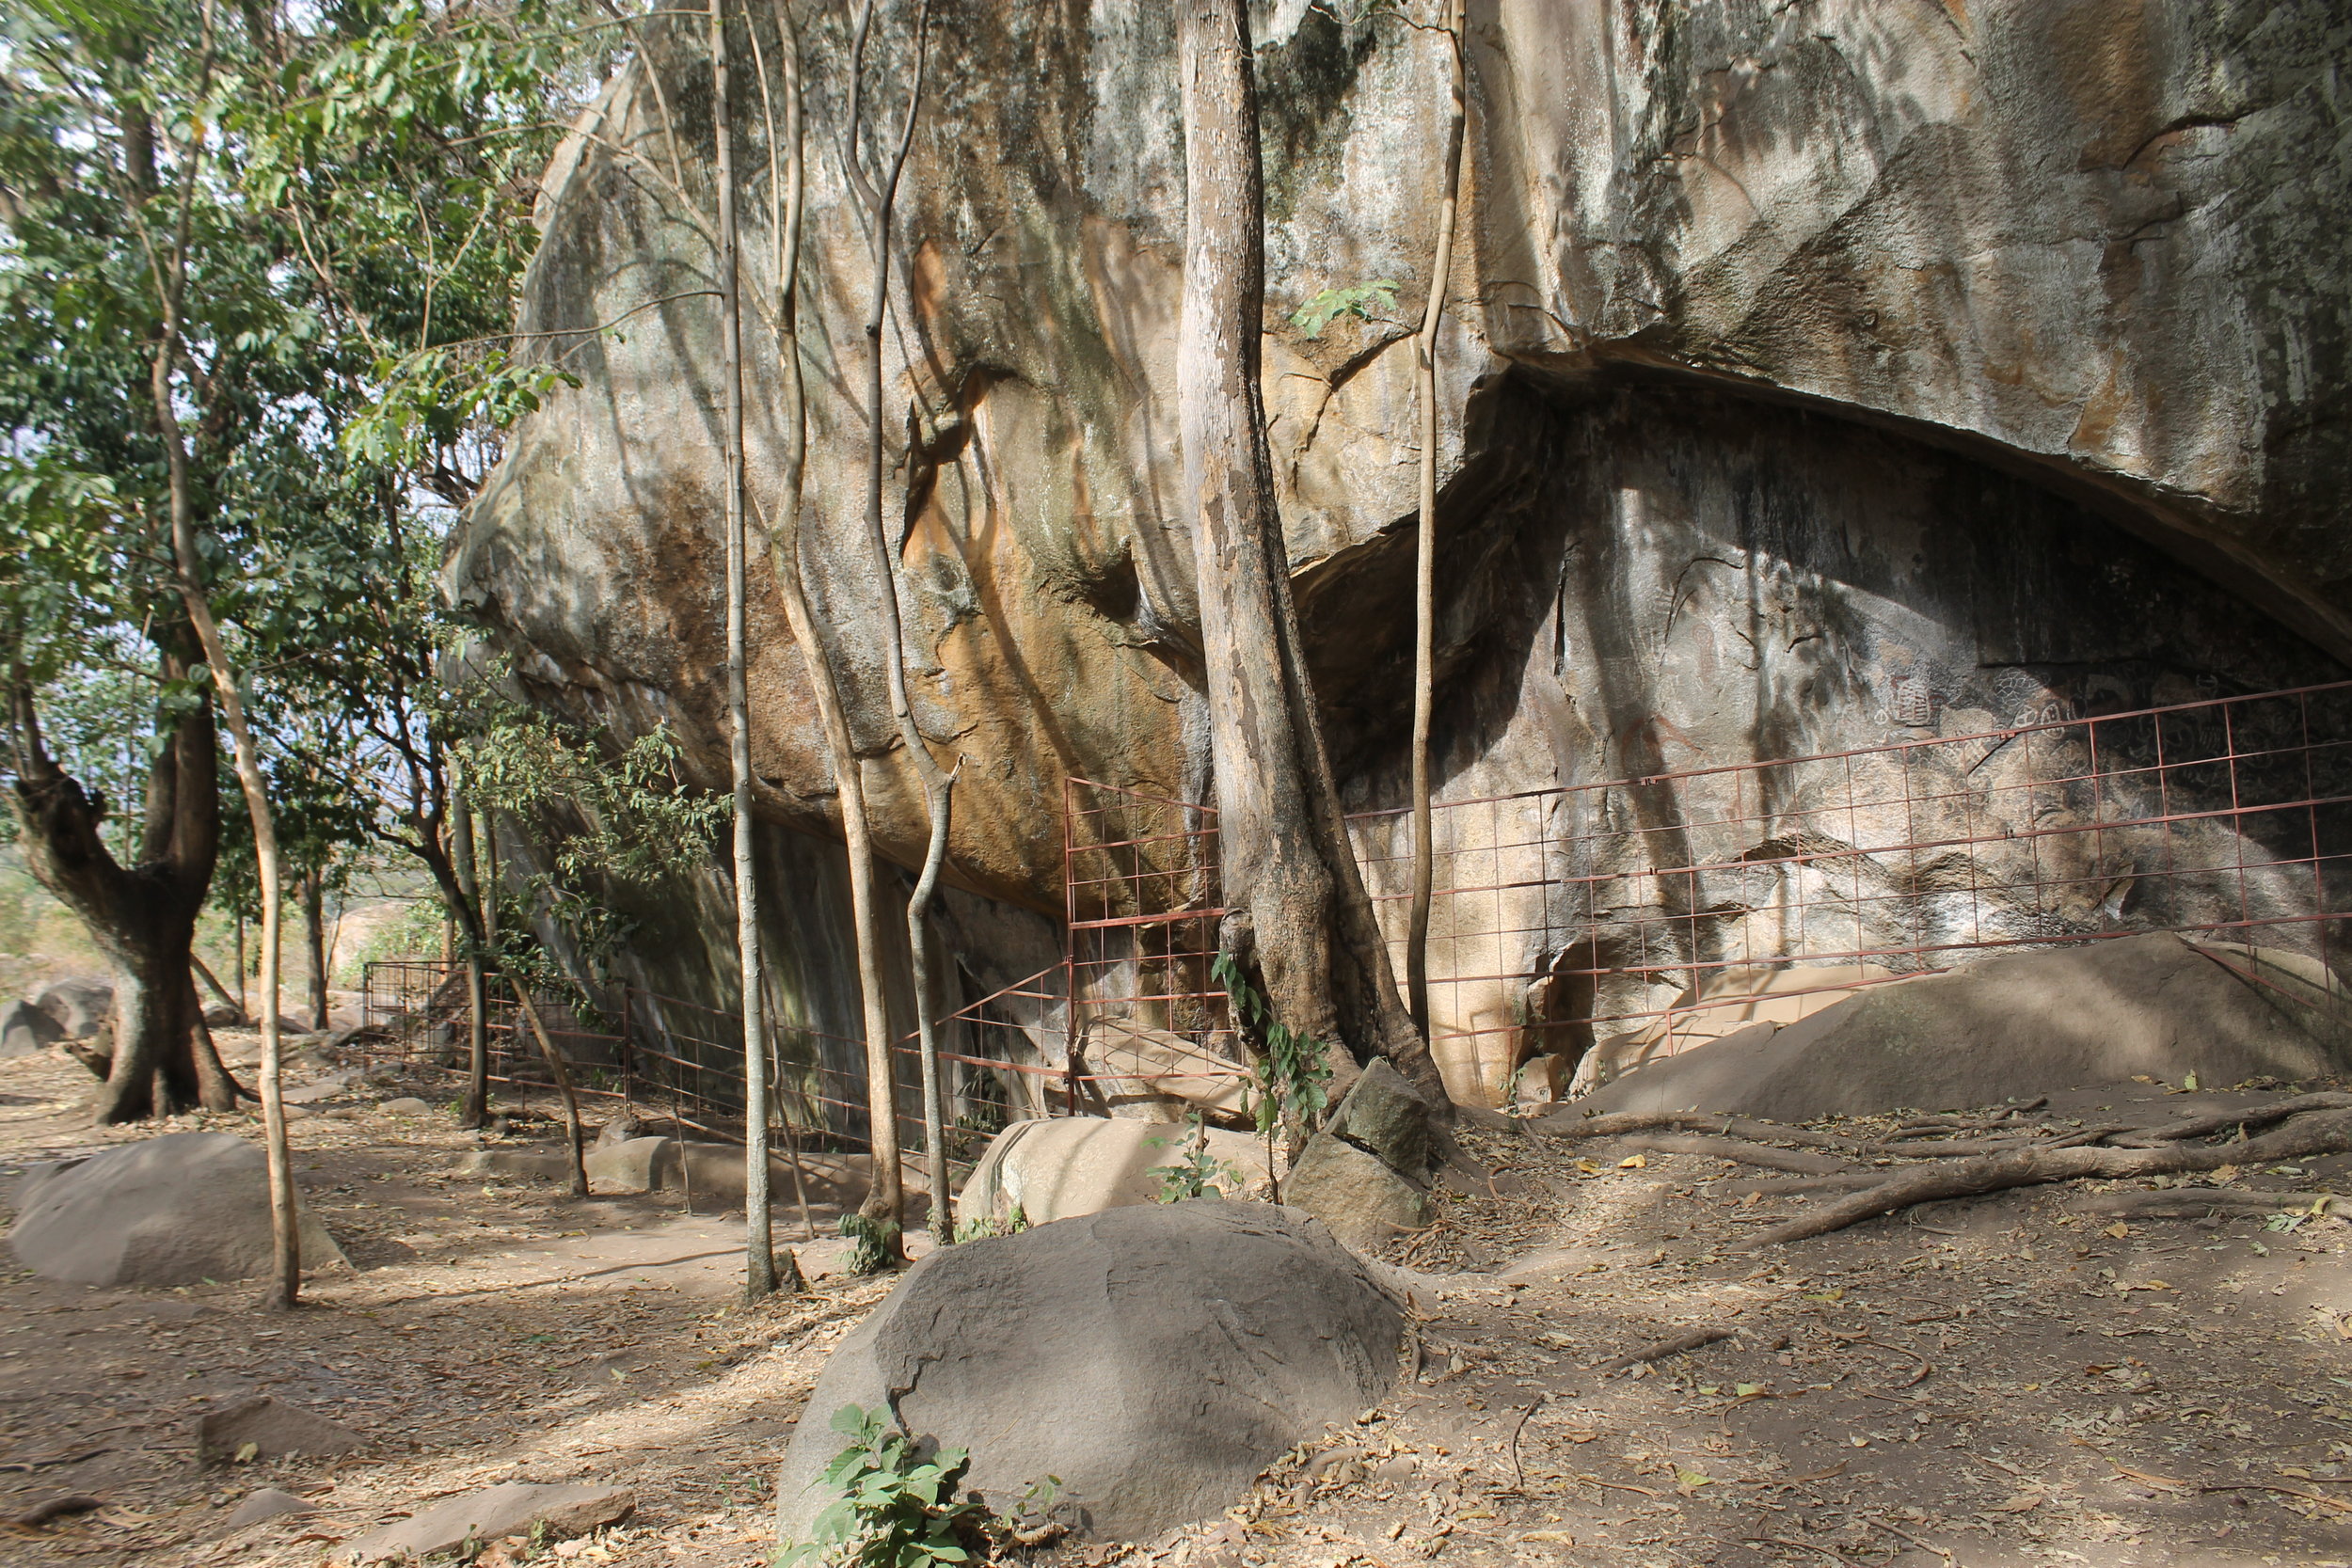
(1425, 536)
(1290, 873)
(939, 784)
(143, 916)
(787, 175)
(465, 899)
(314, 933)
(759, 1255)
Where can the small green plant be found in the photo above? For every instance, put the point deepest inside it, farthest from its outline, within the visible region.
(979, 1227)
(873, 1243)
(1293, 1073)
(1197, 1173)
(895, 1506)
(1332, 304)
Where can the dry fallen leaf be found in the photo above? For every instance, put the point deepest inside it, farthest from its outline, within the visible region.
(2023, 1502)
(1633, 1161)
(2118, 1230)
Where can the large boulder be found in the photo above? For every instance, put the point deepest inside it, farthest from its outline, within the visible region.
(1054, 1168)
(1821, 371)
(1156, 1358)
(2150, 1006)
(81, 1007)
(24, 1029)
(178, 1210)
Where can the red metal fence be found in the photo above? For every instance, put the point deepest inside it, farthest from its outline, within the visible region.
(1568, 922)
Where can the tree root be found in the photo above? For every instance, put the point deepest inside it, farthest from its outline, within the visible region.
(1618, 1124)
(2261, 1116)
(2310, 1133)
(1679, 1344)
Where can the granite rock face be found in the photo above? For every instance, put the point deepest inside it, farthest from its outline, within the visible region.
(1820, 372)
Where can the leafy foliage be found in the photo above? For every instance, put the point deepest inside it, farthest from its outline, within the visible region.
(1327, 307)
(981, 1228)
(1197, 1173)
(873, 1243)
(1291, 1072)
(896, 1507)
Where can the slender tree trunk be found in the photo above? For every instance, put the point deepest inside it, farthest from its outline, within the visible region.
(1426, 533)
(285, 1237)
(939, 784)
(759, 1257)
(787, 172)
(468, 903)
(240, 1007)
(314, 930)
(574, 1138)
(1289, 869)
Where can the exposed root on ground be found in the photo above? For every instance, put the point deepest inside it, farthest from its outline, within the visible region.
(2314, 1133)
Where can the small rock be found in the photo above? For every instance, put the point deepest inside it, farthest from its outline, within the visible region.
(275, 1429)
(222, 1015)
(621, 1129)
(1362, 1201)
(25, 1029)
(1385, 1116)
(82, 1007)
(407, 1106)
(1398, 1471)
(634, 1164)
(267, 1503)
(516, 1508)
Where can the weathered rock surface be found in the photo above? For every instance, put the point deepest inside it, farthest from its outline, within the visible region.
(405, 1105)
(1356, 1194)
(514, 1508)
(1153, 1357)
(175, 1210)
(274, 1428)
(1156, 1075)
(2035, 1024)
(82, 1007)
(24, 1029)
(1387, 1116)
(1826, 373)
(1052, 1169)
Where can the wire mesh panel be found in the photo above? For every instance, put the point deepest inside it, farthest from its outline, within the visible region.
(1568, 918)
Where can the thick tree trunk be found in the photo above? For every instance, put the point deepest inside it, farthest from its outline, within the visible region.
(142, 916)
(1289, 870)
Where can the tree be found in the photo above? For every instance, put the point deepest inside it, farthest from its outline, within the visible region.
(1301, 911)
(759, 1256)
(102, 208)
(879, 197)
(1425, 528)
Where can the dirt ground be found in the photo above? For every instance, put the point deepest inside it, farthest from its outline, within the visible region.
(1992, 1382)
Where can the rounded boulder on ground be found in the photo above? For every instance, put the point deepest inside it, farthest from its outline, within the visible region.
(1153, 1357)
(178, 1210)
